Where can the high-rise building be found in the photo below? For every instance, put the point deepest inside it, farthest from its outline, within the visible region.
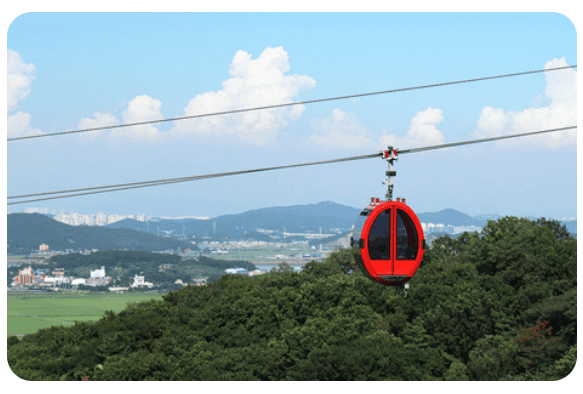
(101, 219)
(26, 276)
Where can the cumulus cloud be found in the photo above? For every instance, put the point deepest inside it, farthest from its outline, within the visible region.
(253, 83)
(19, 125)
(340, 130)
(422, 131)
(19, 79)
(140, 109)
(561, 91)
(98, 120)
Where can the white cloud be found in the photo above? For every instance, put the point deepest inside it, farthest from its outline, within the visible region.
(140, 109)
(422, 131)
(19, 79)
(19, 125)
(340, 130)
(494, 120)
(561, 90)
(253, 83)
(19, 82)
(98, 120)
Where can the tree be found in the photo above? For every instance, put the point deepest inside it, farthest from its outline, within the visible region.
(463, 318)
(457, 371)
(563, 367)
(12, 340)
(344, 259)
(493, 358)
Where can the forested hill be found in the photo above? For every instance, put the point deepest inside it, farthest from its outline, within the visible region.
(497, 307)
(27, 231)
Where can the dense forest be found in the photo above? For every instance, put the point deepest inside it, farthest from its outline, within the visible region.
(500, 305)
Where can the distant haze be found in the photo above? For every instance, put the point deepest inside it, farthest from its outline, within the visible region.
(325, 217)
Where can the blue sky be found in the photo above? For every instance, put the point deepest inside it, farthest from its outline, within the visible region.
(76, 70)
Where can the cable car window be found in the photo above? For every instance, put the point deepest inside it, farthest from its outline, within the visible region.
(359, 225)
(407, 239)
(379, 237)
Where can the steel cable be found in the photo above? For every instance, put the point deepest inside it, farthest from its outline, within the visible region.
(135, 185)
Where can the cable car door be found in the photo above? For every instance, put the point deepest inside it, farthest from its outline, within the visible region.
(379, 244)
(407, 243)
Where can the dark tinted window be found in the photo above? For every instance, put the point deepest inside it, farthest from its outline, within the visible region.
(359, 225)
(379, 238)
(407, 240)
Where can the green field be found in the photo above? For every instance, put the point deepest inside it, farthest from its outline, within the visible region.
(30, 311)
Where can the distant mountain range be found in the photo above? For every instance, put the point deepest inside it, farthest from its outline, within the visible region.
(456, 218)
(27, 231)
(295, 219)
(299, 219)
(30, 230)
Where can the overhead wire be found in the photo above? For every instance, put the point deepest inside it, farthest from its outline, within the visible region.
(290, 104)
(124, 186)
(414, 150)
(134, 185)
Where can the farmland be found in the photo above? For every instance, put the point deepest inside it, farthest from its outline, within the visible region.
(29, 311)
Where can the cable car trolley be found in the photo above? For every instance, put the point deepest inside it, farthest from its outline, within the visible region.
(388, 242)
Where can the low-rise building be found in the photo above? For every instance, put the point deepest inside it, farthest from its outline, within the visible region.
(140, 281)
(98, 281)
(118, 289)
(78, 281)
(98, 273)
(41, 271)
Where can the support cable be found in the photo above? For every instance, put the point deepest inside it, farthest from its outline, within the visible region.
(135, 185)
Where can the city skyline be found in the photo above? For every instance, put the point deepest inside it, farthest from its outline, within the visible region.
(160, 66)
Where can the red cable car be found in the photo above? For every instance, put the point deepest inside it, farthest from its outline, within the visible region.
(387, 241)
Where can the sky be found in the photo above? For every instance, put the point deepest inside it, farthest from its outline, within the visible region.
(69, 71)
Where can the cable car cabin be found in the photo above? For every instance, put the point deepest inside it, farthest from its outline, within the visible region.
(388, 242)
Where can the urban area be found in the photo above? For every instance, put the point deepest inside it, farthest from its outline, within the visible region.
(304, 247)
